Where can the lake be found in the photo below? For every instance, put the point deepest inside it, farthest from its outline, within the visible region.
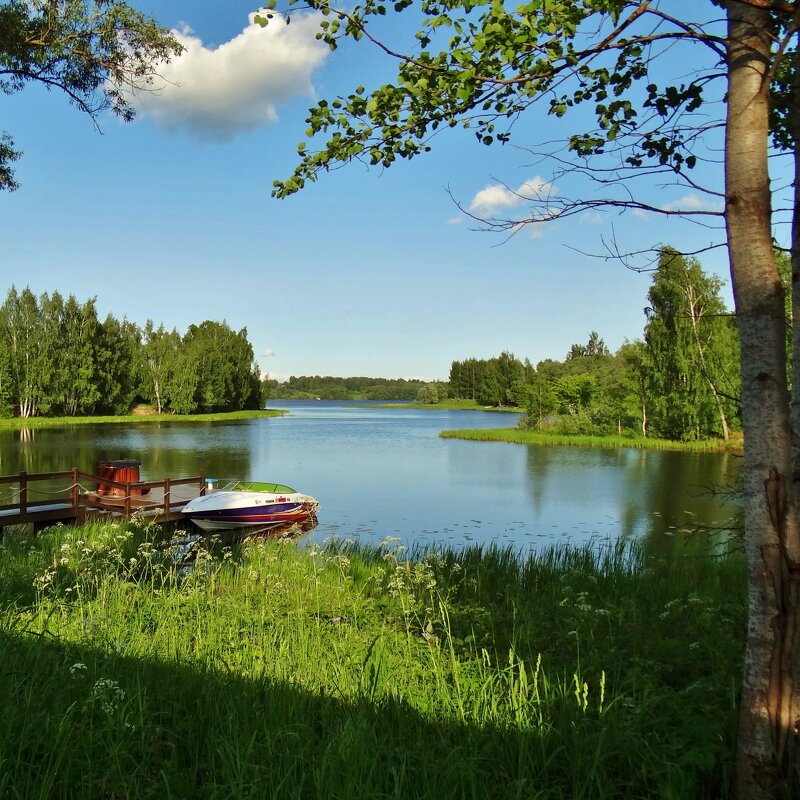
(381, 472)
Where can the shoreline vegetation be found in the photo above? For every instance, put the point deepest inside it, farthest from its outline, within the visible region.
(509, 435)
(15, 423)
(543, 438)
(450, 404)
(270, 669)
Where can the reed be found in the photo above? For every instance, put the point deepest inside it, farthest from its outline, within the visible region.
(518, 436)
(133, 668)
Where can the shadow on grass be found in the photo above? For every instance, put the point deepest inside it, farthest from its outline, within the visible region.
(87, 719)
(80, 723)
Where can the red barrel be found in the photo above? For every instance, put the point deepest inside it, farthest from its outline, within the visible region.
(122, 471)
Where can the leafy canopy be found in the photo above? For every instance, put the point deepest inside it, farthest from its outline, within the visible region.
(480, 64)
(92, 51)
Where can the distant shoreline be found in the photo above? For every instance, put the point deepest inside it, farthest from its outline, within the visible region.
(446, 405)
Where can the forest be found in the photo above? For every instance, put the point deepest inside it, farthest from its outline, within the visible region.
(58, 359)
(681, 381)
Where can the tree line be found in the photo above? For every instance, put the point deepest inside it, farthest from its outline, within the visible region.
(680, 381)
(57, 358)
(317, 387)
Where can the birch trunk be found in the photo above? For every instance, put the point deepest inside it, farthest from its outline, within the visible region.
(770, 711)
(157, 391)
(694, 315)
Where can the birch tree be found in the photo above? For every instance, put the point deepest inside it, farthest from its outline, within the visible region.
(695, 375)
(634, 384)
(158, 354)
(20, 324)
(480, 64)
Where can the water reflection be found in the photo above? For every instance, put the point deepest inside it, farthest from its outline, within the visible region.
(385, 472)
(175, 449)
(633, 493)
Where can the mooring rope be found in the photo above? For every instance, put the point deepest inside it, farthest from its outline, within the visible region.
(56, 491)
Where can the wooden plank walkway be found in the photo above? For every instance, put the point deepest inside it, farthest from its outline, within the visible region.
(75, 496)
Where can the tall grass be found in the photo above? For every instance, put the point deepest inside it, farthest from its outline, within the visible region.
(266, 670)
(519, 436)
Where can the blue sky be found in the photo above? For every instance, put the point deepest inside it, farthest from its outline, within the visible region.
(368, 272)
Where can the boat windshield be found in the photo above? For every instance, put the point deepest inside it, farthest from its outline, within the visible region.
(256, 486)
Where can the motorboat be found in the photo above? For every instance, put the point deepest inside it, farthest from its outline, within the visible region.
(243, 504)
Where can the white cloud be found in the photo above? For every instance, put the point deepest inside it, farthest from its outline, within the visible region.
(268, 353)
(692, 202)
(455, 220)
(593, 218)
(497, 197)
(640, 213)
(217, 93)
(535, 231)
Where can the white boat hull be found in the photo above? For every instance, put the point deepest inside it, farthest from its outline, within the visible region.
(228, 509)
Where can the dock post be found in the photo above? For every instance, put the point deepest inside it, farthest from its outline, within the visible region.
(23, 492)
(74, 488)
(127, 499)
(167, 502)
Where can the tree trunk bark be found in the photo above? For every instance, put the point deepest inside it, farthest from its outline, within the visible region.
(770, 706)
(795, 263)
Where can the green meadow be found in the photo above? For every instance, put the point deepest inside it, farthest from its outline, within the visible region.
(134, 668)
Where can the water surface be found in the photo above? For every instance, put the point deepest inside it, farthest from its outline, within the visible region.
(385, 472)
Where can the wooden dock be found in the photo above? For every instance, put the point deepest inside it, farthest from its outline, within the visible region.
(73, 496)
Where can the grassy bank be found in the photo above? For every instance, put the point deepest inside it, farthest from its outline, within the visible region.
(519, 436)
(52, 422)
(272, 671)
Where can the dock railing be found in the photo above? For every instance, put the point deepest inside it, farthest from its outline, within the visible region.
(133, 496)
(80, 495)
(24, 480)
